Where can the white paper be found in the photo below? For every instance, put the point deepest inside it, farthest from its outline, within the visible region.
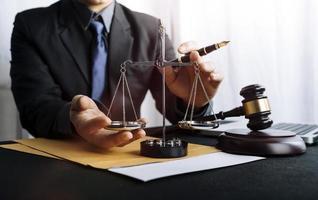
(153, 171)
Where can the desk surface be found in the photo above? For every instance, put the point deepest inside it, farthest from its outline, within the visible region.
(26, 176)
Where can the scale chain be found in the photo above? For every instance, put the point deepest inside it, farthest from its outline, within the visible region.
(130, 98)
(207, 97)
(123, 93)
(193, 94)
(111, 104)
(123, 80)
(189, 102)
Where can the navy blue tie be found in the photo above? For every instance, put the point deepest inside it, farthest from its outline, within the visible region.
(99, 61)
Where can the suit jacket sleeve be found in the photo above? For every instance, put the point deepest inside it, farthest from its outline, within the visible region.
(42, 111)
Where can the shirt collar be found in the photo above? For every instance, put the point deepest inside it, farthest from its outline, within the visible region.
(86, 15)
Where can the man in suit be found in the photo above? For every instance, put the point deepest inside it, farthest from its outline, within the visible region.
(60, 63)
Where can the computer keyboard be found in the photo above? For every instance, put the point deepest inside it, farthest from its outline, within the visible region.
(308, 132)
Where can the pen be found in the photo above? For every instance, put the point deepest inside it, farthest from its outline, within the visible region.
(203, 51)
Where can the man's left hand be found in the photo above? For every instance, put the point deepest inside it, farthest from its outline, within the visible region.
(180, 80)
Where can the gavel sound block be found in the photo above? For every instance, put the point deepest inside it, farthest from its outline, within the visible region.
(259, 139)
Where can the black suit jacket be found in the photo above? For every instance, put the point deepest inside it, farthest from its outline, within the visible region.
(50, 65)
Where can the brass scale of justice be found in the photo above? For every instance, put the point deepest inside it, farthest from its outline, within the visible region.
(257, 140)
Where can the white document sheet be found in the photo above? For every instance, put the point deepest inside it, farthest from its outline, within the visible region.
(153, 171)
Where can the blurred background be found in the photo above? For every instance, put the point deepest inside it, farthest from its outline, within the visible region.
(273, 43)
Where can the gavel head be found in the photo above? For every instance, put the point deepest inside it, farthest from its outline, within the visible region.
(256, 107)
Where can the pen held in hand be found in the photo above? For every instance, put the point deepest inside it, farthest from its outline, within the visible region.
(203, 51)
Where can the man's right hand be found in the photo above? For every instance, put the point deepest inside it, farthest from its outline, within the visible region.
(89, 123)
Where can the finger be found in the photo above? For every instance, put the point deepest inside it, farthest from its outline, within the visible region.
(143, 120)
(188, 47)
(74, 105)
(93, 125)
(170, 74)
(205, 67)
(137, 134)
(216, 78)
(81, 102)
(108, 141)
(195, 57)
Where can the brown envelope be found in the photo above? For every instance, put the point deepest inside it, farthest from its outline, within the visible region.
(79, 151)
(26, 149)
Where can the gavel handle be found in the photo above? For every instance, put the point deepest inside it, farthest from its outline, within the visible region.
(236, 112)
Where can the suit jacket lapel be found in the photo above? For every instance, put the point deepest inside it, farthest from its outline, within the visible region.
(120, 45)
(74, 39)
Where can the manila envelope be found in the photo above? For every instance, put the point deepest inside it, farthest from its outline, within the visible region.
(79, 151)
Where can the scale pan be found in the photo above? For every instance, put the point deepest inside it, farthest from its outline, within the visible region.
(125, 125)
(199, 125)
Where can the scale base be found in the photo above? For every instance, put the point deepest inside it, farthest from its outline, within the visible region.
(158, 148)
(268, 142)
